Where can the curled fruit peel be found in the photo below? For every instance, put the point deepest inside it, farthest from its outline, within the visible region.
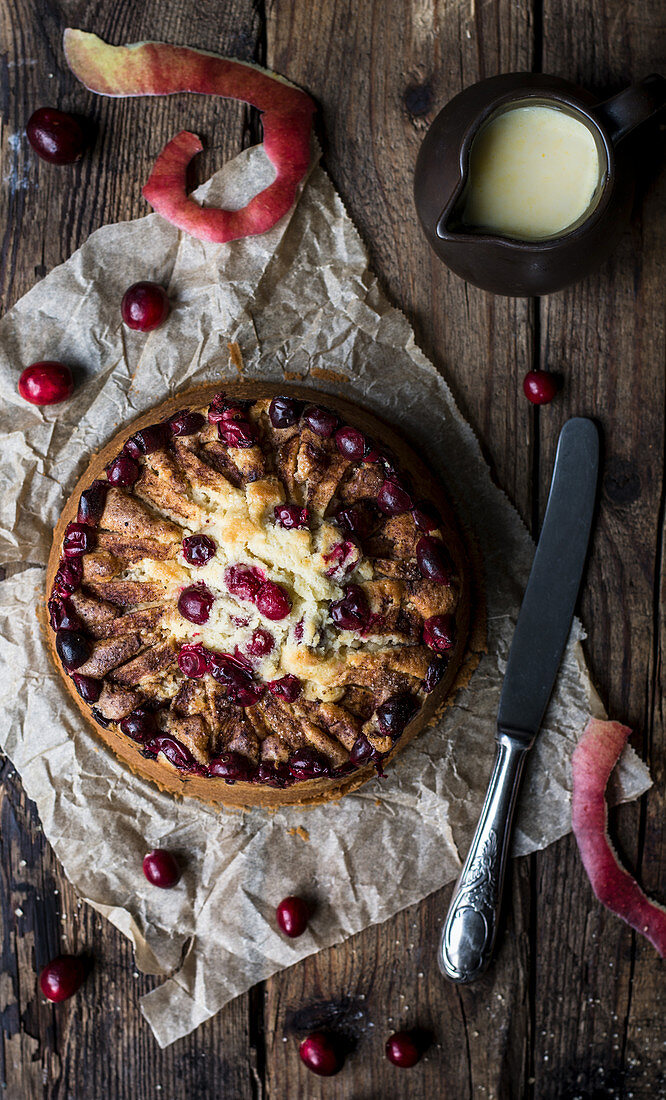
(593, 760)
(155, 68)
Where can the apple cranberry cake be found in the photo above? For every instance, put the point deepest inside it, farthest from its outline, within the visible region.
(256, 600)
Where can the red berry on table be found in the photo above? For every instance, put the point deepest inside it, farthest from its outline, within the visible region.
(161, 869)
(145, 306)
(292, 916)
(55, 136)
(62, 977)
(46, 383)
(402, 1050)
(319, 1053)
(540, 387)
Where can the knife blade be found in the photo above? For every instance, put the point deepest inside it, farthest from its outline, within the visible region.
(470, 929)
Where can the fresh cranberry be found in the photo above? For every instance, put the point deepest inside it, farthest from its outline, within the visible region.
(193, 661)
(123, 472)
(439, 632)
(350, 443)
(298, 631)
(362, 751)
(145, 306)
(433, 561)
(359, 519)
(320, 1054)
(307, 764)
(292, 915)
(88, 688)
(198, 549)
(284, 411)
(243, 581)
(273, 775)
(62, 615)
(230, 766)
(291, 517)
(195, 602)
(91, 503)
(46, 383)
(272, 601)
(287, 688)
(73, 648)
(55, 136)
(371, 453)
(62, 977)
(175, 752)
(402, 1050)
(69, 576)
(540, 387)
(154, 437)
(424, 521)
(140, 725)
(261, 643)
(321, 421)
(237, 433)
(186, 422)
(161, 869)
(352, 611)
(393, 499)
(79, 539)
(436, 670)
(396, 713)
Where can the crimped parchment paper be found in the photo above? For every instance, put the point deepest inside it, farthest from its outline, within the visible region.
(302, 304)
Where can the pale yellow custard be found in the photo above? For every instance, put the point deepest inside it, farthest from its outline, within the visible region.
(533, 172)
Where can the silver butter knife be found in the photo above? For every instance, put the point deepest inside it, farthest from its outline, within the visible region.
(468, 936)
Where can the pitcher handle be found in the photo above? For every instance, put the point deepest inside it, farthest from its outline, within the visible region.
(627, 110)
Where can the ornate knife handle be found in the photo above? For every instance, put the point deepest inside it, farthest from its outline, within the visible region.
(468, 936)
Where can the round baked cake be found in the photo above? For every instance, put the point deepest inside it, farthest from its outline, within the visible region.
(258, 597)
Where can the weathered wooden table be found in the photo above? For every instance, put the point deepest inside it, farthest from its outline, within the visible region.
(575, 1005)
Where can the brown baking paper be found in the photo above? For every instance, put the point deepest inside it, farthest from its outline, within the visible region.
(301, 302)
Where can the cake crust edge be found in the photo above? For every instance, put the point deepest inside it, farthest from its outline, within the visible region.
(470, 614)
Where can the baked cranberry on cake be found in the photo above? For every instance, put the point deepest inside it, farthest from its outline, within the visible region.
(254, 593)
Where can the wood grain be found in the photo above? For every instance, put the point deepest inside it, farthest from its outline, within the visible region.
(574, 1006)
(380, 72)
(606, 336)
(97, 1044)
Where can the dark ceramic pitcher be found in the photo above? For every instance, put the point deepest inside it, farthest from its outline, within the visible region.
(502, 264)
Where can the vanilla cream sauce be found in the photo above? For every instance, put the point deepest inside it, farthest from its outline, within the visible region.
(533, 173)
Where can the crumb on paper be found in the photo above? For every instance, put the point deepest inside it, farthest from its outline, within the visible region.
(236, 357)
(298, 830)
(328, 375)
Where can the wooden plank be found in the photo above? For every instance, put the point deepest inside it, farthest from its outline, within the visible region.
(601, 1000)
(380, 72)
(97, 1044)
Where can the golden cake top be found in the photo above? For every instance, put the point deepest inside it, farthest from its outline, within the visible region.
(256, 593)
